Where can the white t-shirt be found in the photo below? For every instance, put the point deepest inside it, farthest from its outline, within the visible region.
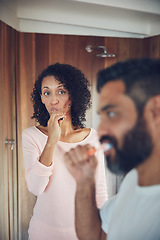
(134, 213)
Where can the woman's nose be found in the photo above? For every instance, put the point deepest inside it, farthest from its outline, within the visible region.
(54, 100)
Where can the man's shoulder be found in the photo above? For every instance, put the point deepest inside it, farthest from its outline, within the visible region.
(106, 213)
(129, 180)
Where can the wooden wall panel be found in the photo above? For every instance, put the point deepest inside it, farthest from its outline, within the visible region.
(127, 48)
(136, 48)
(56, 48)
(71, 50)
(152, 47)
(123, 49)
(111, 45)
(90, 64)
(8, 160)
(3, 158)
(25, 80)
(26, 77)
(98, 63)
(84, 59)
(41, 52)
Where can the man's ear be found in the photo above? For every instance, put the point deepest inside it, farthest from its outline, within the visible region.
(155, 109)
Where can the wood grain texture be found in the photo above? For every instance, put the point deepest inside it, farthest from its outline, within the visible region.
(152, 47)
(8, 160)
(56, 49)
(41, 52)
(111, 45)
(71, 50)
(26, 72)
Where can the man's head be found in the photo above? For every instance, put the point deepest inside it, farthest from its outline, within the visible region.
(129, 96)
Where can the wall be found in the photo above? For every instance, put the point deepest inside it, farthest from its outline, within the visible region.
(152, 47)
(8, 157)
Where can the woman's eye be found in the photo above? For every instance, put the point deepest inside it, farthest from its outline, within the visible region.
(111, 114)
(60, 92)
(46, 93)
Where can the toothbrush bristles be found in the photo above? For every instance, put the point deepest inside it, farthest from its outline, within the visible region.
(104, 147)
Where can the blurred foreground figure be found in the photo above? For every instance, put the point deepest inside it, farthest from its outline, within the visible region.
(129, 107)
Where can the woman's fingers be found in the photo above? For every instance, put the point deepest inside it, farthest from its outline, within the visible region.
(56, 118)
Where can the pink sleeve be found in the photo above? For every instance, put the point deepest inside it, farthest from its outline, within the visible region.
(101, 186)
(36, 174)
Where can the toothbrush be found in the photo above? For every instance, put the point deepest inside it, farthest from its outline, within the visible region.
(104, 147)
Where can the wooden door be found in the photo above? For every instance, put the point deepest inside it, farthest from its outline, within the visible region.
(8, 160)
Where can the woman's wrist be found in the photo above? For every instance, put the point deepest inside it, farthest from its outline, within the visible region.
(47, 154)
(50, 144)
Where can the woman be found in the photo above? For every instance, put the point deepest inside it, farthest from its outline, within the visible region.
(60, 99)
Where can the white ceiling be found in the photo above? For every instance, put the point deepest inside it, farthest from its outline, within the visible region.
(120, 18)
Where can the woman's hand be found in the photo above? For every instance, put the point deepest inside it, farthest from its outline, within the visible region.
(54, 127)
(54, 133)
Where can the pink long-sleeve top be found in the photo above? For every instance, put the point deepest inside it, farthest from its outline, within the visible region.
(53, 214)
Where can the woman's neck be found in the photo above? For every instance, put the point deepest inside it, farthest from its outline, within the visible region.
(67, 126)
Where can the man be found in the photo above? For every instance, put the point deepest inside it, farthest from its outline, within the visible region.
(129, 107)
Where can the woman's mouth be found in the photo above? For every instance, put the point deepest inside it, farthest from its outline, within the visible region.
(54, 110)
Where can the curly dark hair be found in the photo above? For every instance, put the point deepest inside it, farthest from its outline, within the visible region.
(75, 83)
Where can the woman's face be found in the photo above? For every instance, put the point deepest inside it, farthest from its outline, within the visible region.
(54, 96)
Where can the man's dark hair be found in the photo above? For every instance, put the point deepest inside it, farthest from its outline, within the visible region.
(140, 76)
(76, 84)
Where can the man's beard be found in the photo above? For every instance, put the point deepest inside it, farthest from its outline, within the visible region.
(137, 146)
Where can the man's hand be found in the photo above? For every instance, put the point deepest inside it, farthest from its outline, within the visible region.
(80, 164)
